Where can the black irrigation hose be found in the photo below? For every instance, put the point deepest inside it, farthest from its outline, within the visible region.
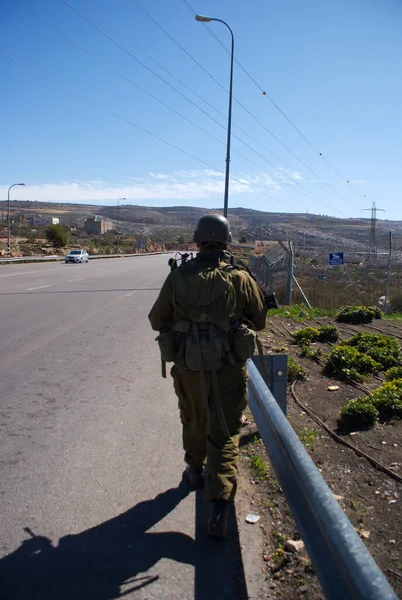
(340, 440)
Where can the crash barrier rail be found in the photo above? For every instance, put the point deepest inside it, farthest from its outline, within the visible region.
(344, 566)
(61, 258)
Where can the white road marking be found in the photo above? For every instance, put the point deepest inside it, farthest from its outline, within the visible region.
(71, 280)
(20, 273)
(38, 287)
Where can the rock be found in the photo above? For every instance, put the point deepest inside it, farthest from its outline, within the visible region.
(302, 589)
(252, 519)
(294, 545)
(364, 533)
(339, 498)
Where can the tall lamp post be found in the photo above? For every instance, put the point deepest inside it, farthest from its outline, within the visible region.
(226, 196)
(118, 226)
(8, 218)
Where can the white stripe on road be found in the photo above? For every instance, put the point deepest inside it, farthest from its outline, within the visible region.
(71, 280)
(20, 273)
(38, 287)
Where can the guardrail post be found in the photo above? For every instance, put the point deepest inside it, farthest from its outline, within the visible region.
(274, 373)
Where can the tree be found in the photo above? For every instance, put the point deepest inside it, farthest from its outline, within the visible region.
(57, 235)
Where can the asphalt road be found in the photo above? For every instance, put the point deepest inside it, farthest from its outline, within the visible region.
(92, 501)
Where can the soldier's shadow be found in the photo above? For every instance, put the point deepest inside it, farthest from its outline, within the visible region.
(112, 559)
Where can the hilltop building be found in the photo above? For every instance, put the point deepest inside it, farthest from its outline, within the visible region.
(95, 225)
(44, 221)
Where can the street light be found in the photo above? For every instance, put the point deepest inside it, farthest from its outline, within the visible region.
(118, 226)
(8, 218)
(203, 19)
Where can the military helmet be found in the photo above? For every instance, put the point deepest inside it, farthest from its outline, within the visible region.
(212, 228)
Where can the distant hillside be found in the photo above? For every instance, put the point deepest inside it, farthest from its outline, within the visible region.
(166, 223)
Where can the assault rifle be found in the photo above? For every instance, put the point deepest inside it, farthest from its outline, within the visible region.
(178, 257)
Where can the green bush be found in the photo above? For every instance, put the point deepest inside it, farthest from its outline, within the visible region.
(328, 334)
(313, 353)
(295, 371)
(358, 414)
(393, 373)
(57, 235)
(388, 399)
(308, 335)
(358, 314)
(348, 361)
(382, 348)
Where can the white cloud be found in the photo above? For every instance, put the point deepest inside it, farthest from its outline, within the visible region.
(157, 187)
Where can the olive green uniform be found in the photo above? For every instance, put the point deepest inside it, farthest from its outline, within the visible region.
(214, 447)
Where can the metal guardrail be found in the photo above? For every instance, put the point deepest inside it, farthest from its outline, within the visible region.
(61, 258)
(344, 566)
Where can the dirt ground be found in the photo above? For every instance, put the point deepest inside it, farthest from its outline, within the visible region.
(370, 497)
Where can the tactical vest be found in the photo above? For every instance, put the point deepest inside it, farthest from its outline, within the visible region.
(207, 333)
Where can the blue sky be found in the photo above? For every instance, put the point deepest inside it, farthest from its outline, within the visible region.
(333, 67)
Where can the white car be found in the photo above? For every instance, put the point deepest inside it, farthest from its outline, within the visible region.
(77, 256)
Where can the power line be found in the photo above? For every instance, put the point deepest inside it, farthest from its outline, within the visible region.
(127, 121)
(146, 92)
(100, 61)
(111, 112)
(188, 87)
(140, 62)
(286, 117)
(155, 61)
(194, 104)
(179, 45)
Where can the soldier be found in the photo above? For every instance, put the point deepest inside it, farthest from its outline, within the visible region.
(207, 312)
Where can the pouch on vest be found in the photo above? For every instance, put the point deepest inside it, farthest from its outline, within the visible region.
(243, 342)
(168, 345)
(205, 342)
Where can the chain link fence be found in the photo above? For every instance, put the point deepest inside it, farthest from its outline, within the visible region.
(271, 269)
(361, 280)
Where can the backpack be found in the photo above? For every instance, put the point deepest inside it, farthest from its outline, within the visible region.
(206, 300)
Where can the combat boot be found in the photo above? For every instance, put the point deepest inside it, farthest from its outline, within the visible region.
(218, 521)
(195, 476)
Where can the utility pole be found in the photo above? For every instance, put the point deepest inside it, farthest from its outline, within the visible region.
(371, 249)
(386, 303)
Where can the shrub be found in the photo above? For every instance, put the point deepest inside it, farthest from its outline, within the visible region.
(349, 362)
(328, 334)
(388, 399)
(393, 373)
(382, 348)
(359, 413)
(313, 353)
(358, 314)
(307, 335)
(57, 235)
(295, 371)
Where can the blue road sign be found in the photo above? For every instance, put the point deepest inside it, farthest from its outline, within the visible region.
(336, 258)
